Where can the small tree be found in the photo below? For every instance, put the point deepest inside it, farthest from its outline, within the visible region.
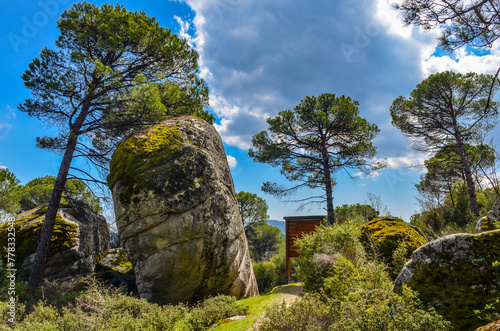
(253, 209)
(115, 72)
(37, 192)
(264, 241)
(319, 137)
(9, 192)
(448, 108)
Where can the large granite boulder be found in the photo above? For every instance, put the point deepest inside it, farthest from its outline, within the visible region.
(456, 274)
(80, 236)
(177, 214)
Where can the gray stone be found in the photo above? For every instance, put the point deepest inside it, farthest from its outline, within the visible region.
(487, 223)
(177, 214)
(455, 274)
(80, 235)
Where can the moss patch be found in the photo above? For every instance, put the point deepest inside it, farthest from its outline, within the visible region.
(457, 290)
(28, 226)
(115, 260)
(386, 233)
(136, 155)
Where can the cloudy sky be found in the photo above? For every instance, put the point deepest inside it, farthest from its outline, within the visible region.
(258, 58)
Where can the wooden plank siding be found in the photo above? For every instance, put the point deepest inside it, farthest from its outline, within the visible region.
(295, 228)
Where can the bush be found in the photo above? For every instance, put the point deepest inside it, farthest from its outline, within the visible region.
(349, 291)
(212, 310)
(318, 252)
(101, 307)
(272, 273)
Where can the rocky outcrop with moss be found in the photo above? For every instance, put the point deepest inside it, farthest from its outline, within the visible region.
(177, 214)
(80, 235)
(490, 221)
(385, 234)
(456, 274)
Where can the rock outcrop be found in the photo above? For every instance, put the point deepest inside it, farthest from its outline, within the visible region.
(456, 274)
(79, 236)
(488, 222)
(177, 214)
(385, 234)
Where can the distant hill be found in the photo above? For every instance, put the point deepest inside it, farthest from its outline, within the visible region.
(279, 224)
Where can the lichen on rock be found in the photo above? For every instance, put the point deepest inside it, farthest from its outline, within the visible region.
(79, 236)
(456, 274)
(490, 221)
(177, 213)
(385, 234)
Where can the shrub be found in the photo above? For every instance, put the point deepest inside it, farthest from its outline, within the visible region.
(101, 307)
(349, 291)
(272, 273)
(354, 312)
(317, 249)
(212, 310)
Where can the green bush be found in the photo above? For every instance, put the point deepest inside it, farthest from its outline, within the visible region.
(272, 273)
(101, 307)
(396, 312)
(212, 310)
(319, 252)
(349, 292)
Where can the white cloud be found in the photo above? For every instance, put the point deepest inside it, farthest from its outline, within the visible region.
(4, 129)
(464, 61)
(413, 161)
(261, 57)
(10, 113)
(231, 160)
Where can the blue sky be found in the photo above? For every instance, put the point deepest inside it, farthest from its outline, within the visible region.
(258, 58)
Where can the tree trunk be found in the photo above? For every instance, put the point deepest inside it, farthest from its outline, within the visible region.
(468, 177)
(329, 195)
(50, 217)
(55, 199)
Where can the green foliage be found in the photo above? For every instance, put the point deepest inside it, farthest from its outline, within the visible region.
(272, 273)
(9, 191)
(100, 307)
(448, 110)
(349, 291)
(474, 23)
(37, 192)
(212, 310)
(312, 142)
(348, 212)
(399, 258)
(319, 252)
(253, 209)
(354, 297)
(382, 236)
(264, 241)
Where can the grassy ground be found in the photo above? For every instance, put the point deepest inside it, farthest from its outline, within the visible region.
(257, 306)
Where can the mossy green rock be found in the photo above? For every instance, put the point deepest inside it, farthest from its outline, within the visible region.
(385, 234)
(490, 221)
(177, 214)
(456, 274)
(79, 236)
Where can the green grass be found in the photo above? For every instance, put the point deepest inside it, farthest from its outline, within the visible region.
(257, 307)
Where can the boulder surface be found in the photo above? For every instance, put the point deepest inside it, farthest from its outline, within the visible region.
(456, 274)
(80, 235)
(177, 214)
(385, 234)
(490, 221)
